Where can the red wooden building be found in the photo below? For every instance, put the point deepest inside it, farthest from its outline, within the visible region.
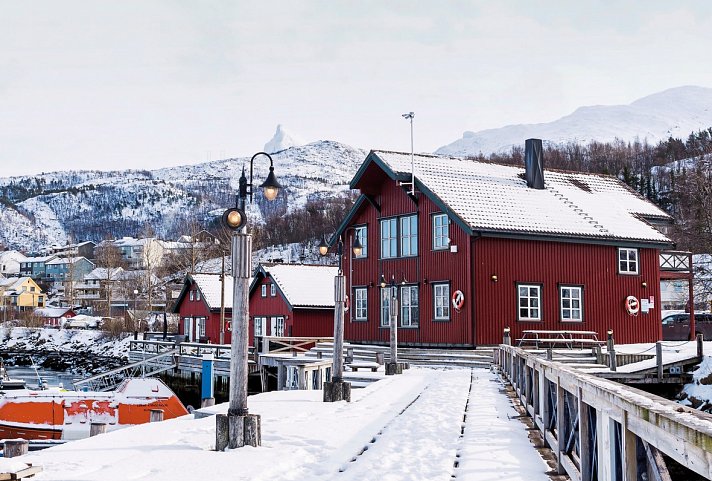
(478, 247)
(199, 307)
(294, 300)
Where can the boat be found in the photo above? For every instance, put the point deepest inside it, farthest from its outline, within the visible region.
(7, 383)
(56, 413)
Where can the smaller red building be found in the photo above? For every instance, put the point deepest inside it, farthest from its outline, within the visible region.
(293, 300)
(199, 307)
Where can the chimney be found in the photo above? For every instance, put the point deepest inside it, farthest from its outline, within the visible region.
(534, 163)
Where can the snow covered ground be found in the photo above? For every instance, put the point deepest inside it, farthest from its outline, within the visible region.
(428, 424)
(63, 340)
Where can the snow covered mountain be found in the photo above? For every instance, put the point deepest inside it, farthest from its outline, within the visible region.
(91, 205)
(282, 140)
(675, 112)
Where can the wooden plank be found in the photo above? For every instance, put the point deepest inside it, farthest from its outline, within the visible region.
(656, 463)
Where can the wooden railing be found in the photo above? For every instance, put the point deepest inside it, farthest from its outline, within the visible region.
(284, 345)
(601, 430)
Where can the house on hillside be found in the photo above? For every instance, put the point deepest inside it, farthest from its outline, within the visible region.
(35, 267)
(199, 308)
(80, 249)
(21, 293)
(10, 263)
(294, 300)
(54, 316)
(478, 247)
(68, 269)
(141, 253)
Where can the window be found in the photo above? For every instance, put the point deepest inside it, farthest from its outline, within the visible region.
(360, 304)
(201, 326)
(409, 235)
(386, 294)
(32, 289)
(197, 294)
(192, 295)
(441, 302)
(529, 302)
(278, 326)
(441, 231)
(186, 326)
(389, 237)
(260, 326)
(627, 261)
(362, 234)
(272, 289)
(264, 290)
(409, 306)
(571, 303)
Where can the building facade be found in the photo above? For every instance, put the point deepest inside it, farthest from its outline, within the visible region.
(473, 248)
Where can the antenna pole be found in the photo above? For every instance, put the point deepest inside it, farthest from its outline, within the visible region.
(410, 116)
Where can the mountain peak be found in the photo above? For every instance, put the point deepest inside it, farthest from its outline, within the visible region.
(282, 139)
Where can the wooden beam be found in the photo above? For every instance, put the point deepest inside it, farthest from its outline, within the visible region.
(656, 463)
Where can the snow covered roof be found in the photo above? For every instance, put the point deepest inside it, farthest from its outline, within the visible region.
(210, 287)
(100, 273)
(14, 283)
(67, 260)
(304, 285)
(39, 259)
(52, 312)
(495, 198)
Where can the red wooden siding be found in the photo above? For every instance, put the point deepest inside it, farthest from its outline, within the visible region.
(554, 263)
(199, 308)
(428, 267)
(298, 322)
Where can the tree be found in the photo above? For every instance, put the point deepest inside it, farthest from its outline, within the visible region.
(108, 257)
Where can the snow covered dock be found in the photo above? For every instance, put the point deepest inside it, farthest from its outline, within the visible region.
(427, 424)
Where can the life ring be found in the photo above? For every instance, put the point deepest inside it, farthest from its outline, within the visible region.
(458, 300)
(346, 304)
(632, 305)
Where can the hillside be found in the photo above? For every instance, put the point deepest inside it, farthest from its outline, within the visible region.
(90, 205)
(675, 112)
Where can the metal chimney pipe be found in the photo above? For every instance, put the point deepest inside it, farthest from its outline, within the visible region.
(534, 163)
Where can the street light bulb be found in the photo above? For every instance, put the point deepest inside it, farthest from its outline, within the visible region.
(323, 246)
(271, 193)
(383, 281)
(357, 248)
(234, 218)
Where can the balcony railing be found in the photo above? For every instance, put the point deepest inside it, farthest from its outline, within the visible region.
(676, 261)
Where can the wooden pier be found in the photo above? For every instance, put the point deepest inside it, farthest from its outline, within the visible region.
(604, 431)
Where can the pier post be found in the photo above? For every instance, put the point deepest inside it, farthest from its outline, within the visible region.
(506, 339)
(700, 346)
(612, 359)
(207, 378)
(97, 428)
(659, 359)
(15, 447)
(156, 415)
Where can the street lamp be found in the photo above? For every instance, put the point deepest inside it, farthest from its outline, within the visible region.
(337, 389)
(392, 367)
(239, 428)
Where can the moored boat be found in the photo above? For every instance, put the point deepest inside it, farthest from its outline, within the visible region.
(61, 414)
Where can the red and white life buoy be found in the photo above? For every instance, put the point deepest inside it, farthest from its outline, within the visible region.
(346, 304)
(632, 305)
(458, 300)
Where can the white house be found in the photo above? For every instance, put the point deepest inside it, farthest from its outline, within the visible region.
(10, 263)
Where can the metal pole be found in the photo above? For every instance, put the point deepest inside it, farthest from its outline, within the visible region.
(339, 299)
(241, 270)
(222, 301)
(394, 325)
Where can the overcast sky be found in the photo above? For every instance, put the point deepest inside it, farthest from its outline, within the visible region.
(146, 84)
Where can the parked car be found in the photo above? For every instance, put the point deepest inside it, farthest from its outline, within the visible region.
(676, 327)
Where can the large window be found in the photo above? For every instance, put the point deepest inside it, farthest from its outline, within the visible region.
(273, 289)
(441, 298)
(627, 261)
(571, 303)
(409, 235)
(362, 233)
(389, 238)
(201, 326)
(441, 231)
(278, 326)
(529, 302)
(386, 294)
(409, 306)
(399, 237)
(260, 326)
(360, 304)
(264, 290)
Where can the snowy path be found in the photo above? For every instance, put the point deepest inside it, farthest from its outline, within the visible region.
(406, 427)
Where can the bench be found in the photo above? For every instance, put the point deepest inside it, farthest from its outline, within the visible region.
(552, 339)
(355, 366)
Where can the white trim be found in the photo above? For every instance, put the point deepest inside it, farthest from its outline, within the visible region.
(532, 305)
(574, 297)
(444, 304)
(360, 307)
(627, 264)
(441, 233)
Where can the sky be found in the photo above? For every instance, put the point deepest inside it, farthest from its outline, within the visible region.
(154, 83)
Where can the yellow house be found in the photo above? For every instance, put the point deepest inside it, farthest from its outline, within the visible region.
(21, 292)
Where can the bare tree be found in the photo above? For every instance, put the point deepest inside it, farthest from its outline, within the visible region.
(108, 256)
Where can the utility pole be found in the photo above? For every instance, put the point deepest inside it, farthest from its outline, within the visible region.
(222, 301)
(410, 116)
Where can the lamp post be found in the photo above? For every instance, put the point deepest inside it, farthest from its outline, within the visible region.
(337, 389)
(393, 366)
(239, 428)
(135, 305)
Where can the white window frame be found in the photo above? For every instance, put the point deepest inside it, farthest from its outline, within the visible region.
(260, 321)
(408, 235)
(279, 326)
(360, 307)
(192, 295)
(441, 301)
(197, 294)
(201, 321)
(528, 302)
(264, 290)
(273, 289)
(627, 264)
(389, 238)
(361, 232)
(569, 297)
(409, 306)
(441, 232)
(385, 306)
